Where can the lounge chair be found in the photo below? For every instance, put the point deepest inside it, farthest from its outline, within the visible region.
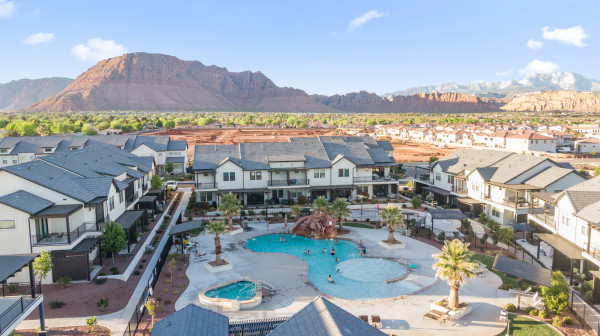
(481, 270)
(526, 292)
(376, 321)
(437, 315)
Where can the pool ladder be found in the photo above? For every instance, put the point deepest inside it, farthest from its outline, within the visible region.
(266, 285)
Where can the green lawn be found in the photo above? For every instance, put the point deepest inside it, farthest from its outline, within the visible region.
(358, 225)
(524, 326)
(489, 261)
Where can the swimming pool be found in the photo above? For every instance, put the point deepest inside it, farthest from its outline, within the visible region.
(239, 291)
(359, 278)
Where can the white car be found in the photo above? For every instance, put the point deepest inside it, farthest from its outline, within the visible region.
(172, 185)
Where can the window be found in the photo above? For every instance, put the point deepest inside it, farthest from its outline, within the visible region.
(294, 193)
(495, 212)
(111, 203)
(3, 151)
(343, 172)
(205, 196)
(584, 230)
(14, 160)
(279, 193)
(47, 150)
(229, 176)
(438, 176)
(255, 176)
(159, 154)
(121, 196)
(361, 190)
(4, 161)
(7, 224)
(319, 173)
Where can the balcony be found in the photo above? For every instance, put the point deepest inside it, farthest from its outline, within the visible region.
(543, 219)
(131, 199)
(205, 186)
(16, 300)
(374, 179)
(290, 182)
(593, 254)
(509, 202)
(64, 238)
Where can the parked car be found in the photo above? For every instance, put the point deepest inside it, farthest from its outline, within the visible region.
(172, 185)
(563, 149)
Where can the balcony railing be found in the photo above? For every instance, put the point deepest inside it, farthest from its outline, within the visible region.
(64, 238)
(17, 299)
(521, 203)
(200, 186)
(290, 182)
(374, 178)
(594, 253)
(131, 199)
(544, 219)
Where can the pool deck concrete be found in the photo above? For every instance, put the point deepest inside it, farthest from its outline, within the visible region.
(400, 316)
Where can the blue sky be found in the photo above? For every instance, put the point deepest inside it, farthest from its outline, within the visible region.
(324, 47)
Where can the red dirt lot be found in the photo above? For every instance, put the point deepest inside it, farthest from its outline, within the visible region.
(417, 152)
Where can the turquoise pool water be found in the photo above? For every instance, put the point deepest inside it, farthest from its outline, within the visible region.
(359, 278)
(240, 291)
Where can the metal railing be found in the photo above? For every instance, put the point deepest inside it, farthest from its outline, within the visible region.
(374, 178)
(290, 182)
(585, 313)
(22, 301)
(594, 253)
(543, 218)
(64, 238)
(200, 186)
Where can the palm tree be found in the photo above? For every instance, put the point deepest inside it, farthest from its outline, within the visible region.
(392, 217)
(454, 265)
(217, 228)
(339, 209)
(230, 206)
(296, 211)
(320, 205)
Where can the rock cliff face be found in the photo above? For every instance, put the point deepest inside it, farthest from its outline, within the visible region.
(19, 93)
(420, 102)
(568, 101)
(156, 82)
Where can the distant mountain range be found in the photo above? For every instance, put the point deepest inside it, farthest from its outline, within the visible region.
(18, 94)
(532, 83)
(156, 82)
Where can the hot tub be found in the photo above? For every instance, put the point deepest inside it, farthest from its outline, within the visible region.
(243, 293)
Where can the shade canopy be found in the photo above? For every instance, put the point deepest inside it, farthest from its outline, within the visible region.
(186, 227)
(11, 264)
(523, 227)
(561, 244)
(525, 271)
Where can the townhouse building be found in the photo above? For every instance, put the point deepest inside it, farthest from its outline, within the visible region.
(60, 202)
(15, 150)
(498, 183)
(587, 145)
(530, 142)
(283, 172)
(569, 222)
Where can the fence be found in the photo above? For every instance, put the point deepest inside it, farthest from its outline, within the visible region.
(586, 314)
(16, 299)
(140, 309)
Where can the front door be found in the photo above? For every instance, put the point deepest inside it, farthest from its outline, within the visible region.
(41, 227)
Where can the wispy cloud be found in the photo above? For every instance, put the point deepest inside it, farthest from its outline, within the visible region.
(504, 73)
(573, 36)
(7, 9)
(534, 44)
(97, 49)
(361, 20)
(38, 38)
(537, 66)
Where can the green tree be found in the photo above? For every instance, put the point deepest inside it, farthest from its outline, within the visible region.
(91, 322)
(230, 206)
(321, 204)
(392, 217)
(151, 308)
(410, 185)
(103, 125)
(556, 298)
(43, 130)
(88, 129)
(156, 182)
(171, 262)
(114, 238)
(169, 167)
(42, 264)
(506, 235)
(217, 228)
(454, 265)
(138, 126)
(296, 211)
(170, 124)
(433, 159)
(339, 209)
(416, 201)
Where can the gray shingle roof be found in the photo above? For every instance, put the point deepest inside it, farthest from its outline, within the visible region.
(192, 321)
(316, 152)
(469, 159)
(511, 167)
(591, 213)
(177, 145)
(26, 202)
(11, 264)
(323, 318)
(581, 199)
(548, 176)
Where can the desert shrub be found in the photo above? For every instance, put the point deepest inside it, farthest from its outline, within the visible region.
(542, 314)
(568, 320)
(528, 309)
(167, 302)
(64, 282)
(181, 276)
(533, 312)
(556, 298)
(168, 281)
(557, 321)
(56, 304)
(114, 270)
(141, 266)
(143, 260)
(136, 272)
(511, 308)
(166, 290)
(99, 281)
(176, 292)
(102, 274)
(102, 303)
(180, 285)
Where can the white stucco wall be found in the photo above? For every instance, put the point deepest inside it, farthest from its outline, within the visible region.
(230, 167)
(342, 164)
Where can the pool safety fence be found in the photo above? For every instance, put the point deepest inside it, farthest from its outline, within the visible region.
(585, 313)
(260, 327)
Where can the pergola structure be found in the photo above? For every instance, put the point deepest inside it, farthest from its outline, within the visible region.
(523, 272)
(447, 214)
(565, 253)
(180, 229)
(128, 221)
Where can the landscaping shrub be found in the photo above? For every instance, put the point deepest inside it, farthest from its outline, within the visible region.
(102, 274)
(143, 260)
(168, 281)
(557, 321)
(56, 304)
(141, 266)
(528, 309)
(511, 308)
(114, 270)
(180, 285)
(542, 314)
(102, 303)
(533, 312)
(556, 298)
(373, 201)
(136, 272)
(568, 320)
(159, 231)
(586, 286)
(181, 276)
(64, 282)
(99, 281)
(167, 302)
(166, 290)
(148, 250)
